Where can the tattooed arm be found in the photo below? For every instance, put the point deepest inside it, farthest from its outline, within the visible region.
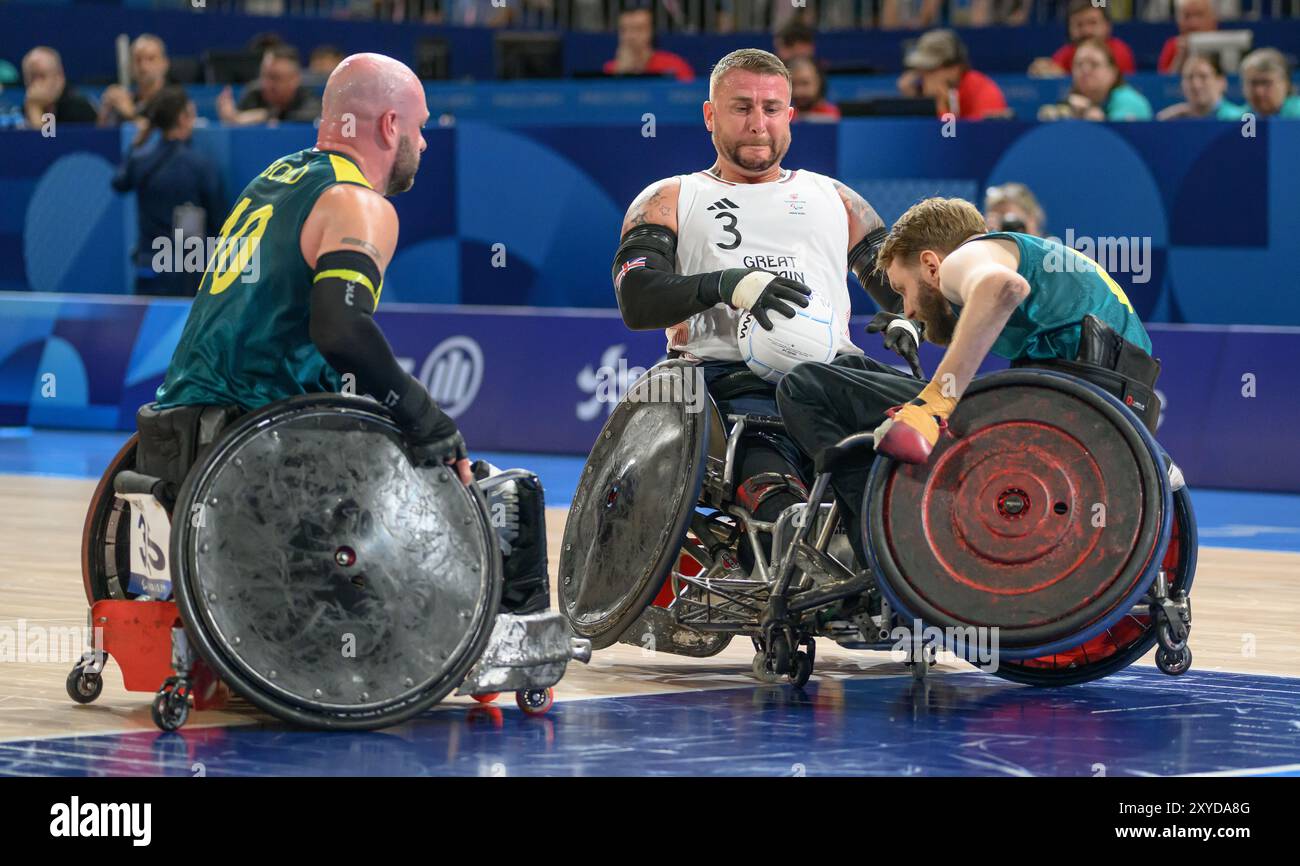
(862, 216)
(866, 233)
(657, 205)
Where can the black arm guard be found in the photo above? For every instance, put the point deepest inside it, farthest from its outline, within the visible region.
(651, 294)
(862, 262)
(346, 335)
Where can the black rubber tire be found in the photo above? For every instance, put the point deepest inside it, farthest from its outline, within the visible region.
(107, 511)
(801, 670)
(170, 710)
(1174, 664)
(84, 687)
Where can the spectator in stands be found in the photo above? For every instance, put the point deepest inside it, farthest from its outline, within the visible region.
(177, 190)
(1012, 207)
(323, 60)
(1099, 91)
(1006, 13)
(1203, 87)
(636, 54)
(48, 91)
(278, 96)
(149, 67)
(795, 39)
(808, 92)
(1194, 16)
(1266, 84)
(265, 41)
(1085, 21)
(938, 67)
(909, 14)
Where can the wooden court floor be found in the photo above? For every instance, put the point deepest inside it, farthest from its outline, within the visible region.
(1246, 605)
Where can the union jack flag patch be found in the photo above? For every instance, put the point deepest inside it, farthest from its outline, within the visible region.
(627, 266)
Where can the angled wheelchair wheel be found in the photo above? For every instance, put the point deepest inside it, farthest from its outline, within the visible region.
(106, 534)
(324, 577)
(630, 513)
(1045, 515)
(1129, 639)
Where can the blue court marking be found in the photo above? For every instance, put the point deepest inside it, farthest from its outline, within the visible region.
(1227, 518)
(1139, 722)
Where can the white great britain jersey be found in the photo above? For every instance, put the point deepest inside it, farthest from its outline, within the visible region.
(795, 227)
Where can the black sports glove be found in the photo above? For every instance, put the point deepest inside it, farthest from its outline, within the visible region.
(902, 336)
(760, 292)
(448, 449)
(433, 435)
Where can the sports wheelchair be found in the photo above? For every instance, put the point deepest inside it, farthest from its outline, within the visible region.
(1047, 519)
(310, 566)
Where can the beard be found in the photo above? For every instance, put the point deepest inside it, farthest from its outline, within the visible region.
(733, 153)
(406, 164)
(934, 311)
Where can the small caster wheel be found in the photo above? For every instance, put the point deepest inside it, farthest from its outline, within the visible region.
(1166, 637)
(487, 697)
(1174, 663)
(84, 686)
(171, 707)
(759, 668)
(801, 671)
(535, 702)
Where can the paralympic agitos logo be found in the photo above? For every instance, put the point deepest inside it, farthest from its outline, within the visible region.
(452, 373)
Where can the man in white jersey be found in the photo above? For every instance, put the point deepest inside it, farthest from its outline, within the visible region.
(700, 249)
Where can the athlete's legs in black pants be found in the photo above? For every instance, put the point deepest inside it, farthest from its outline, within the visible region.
(770, 464)
(823, 403)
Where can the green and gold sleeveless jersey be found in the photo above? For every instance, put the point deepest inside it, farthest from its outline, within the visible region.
(1064, 286)
(246, 341)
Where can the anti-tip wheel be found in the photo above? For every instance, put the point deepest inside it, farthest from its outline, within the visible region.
(1174, 663)
(83, 686)
(535, 702)
(486, 697)
(802, 670)
(170, 709)
(759, 669)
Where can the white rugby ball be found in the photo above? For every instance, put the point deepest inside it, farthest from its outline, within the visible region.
(809, 336)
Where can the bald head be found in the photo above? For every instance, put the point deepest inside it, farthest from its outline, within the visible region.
(374, 110)
(368, 85)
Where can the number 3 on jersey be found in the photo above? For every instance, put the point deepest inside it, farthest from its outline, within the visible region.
(728, 226)
(236, 247)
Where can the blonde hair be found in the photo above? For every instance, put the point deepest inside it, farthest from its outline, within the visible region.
(751, 59)
(939, 224)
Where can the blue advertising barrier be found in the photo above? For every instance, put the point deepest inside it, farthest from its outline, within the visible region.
(545, 380)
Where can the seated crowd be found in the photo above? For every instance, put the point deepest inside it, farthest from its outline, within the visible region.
(937, 68)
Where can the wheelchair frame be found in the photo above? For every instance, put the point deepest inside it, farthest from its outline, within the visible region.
(779, 613)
